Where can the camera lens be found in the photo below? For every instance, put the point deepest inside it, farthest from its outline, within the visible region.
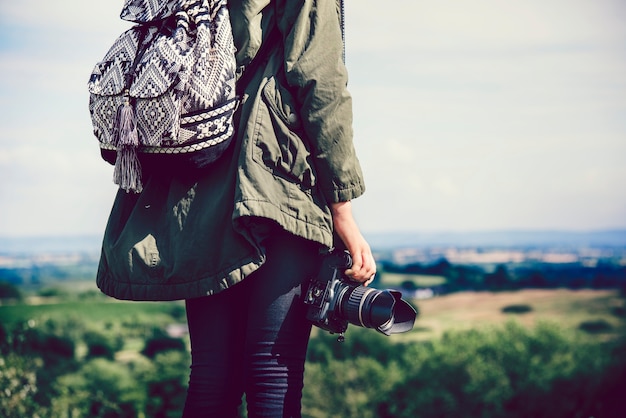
(367, 307)
(372, 308)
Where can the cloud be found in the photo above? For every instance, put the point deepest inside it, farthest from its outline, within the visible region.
(480, 114)
(79, 17)
(54, 192)
(510, 110)
(409, 25)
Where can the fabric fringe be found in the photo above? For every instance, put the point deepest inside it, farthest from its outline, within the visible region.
(127, 173)
(126, 126)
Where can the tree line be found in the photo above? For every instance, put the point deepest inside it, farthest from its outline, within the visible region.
(63, 368)
(604, 275)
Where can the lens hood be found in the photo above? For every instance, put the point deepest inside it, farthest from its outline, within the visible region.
(403, 317)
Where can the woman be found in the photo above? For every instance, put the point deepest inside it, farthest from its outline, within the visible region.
(261, 214)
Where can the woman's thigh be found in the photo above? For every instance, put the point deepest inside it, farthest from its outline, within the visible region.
(277, 329)
(216, 329)
(253, 337)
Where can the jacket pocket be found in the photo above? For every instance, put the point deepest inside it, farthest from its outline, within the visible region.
(279, 144)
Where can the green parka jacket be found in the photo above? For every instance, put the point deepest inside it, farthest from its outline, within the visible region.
(195, 234)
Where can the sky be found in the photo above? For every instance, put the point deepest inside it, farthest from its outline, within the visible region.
(469, 115)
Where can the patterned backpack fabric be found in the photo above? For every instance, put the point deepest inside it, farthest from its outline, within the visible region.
(166, 87)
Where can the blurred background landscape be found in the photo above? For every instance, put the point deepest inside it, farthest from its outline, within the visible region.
(492, 137)
(509, 325)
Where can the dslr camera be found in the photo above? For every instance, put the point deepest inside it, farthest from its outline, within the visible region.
(333, 300)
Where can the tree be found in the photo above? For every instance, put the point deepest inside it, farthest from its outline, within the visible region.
(9, 291)
(161, 342)
(18, 380)
(100, 389)
(499, 279)
(537, 280)
(101, 345)
(166, 384)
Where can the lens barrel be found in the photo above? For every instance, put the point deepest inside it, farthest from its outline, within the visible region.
(367, 307)
(383, 310)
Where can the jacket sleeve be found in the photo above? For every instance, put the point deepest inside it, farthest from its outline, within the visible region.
(317, 76)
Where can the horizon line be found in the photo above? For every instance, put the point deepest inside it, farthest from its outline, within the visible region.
(516, 230)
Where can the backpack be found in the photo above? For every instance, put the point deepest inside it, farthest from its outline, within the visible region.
(165, 90)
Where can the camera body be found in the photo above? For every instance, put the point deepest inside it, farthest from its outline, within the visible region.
(321, 296)
(334, 300)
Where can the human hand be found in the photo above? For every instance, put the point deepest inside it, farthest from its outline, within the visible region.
(363, 265)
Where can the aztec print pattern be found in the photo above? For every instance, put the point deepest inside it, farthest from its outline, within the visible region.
(142, 11)
(180, 84)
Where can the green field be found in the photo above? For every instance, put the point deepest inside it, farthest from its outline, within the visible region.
(463, 310)
(95, 312)
(419, 280)
(494, 364)
(567, 308)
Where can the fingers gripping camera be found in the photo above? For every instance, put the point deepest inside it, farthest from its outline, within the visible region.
(334, 300)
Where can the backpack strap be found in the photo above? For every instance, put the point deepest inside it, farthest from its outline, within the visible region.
(342, 24)
(261, 58)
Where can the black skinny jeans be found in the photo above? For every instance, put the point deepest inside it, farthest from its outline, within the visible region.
(253, 338)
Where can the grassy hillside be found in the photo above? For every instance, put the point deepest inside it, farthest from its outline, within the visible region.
(512, 370)
(568, 308)
(93, 311)
(456, 311)
(419, 280)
